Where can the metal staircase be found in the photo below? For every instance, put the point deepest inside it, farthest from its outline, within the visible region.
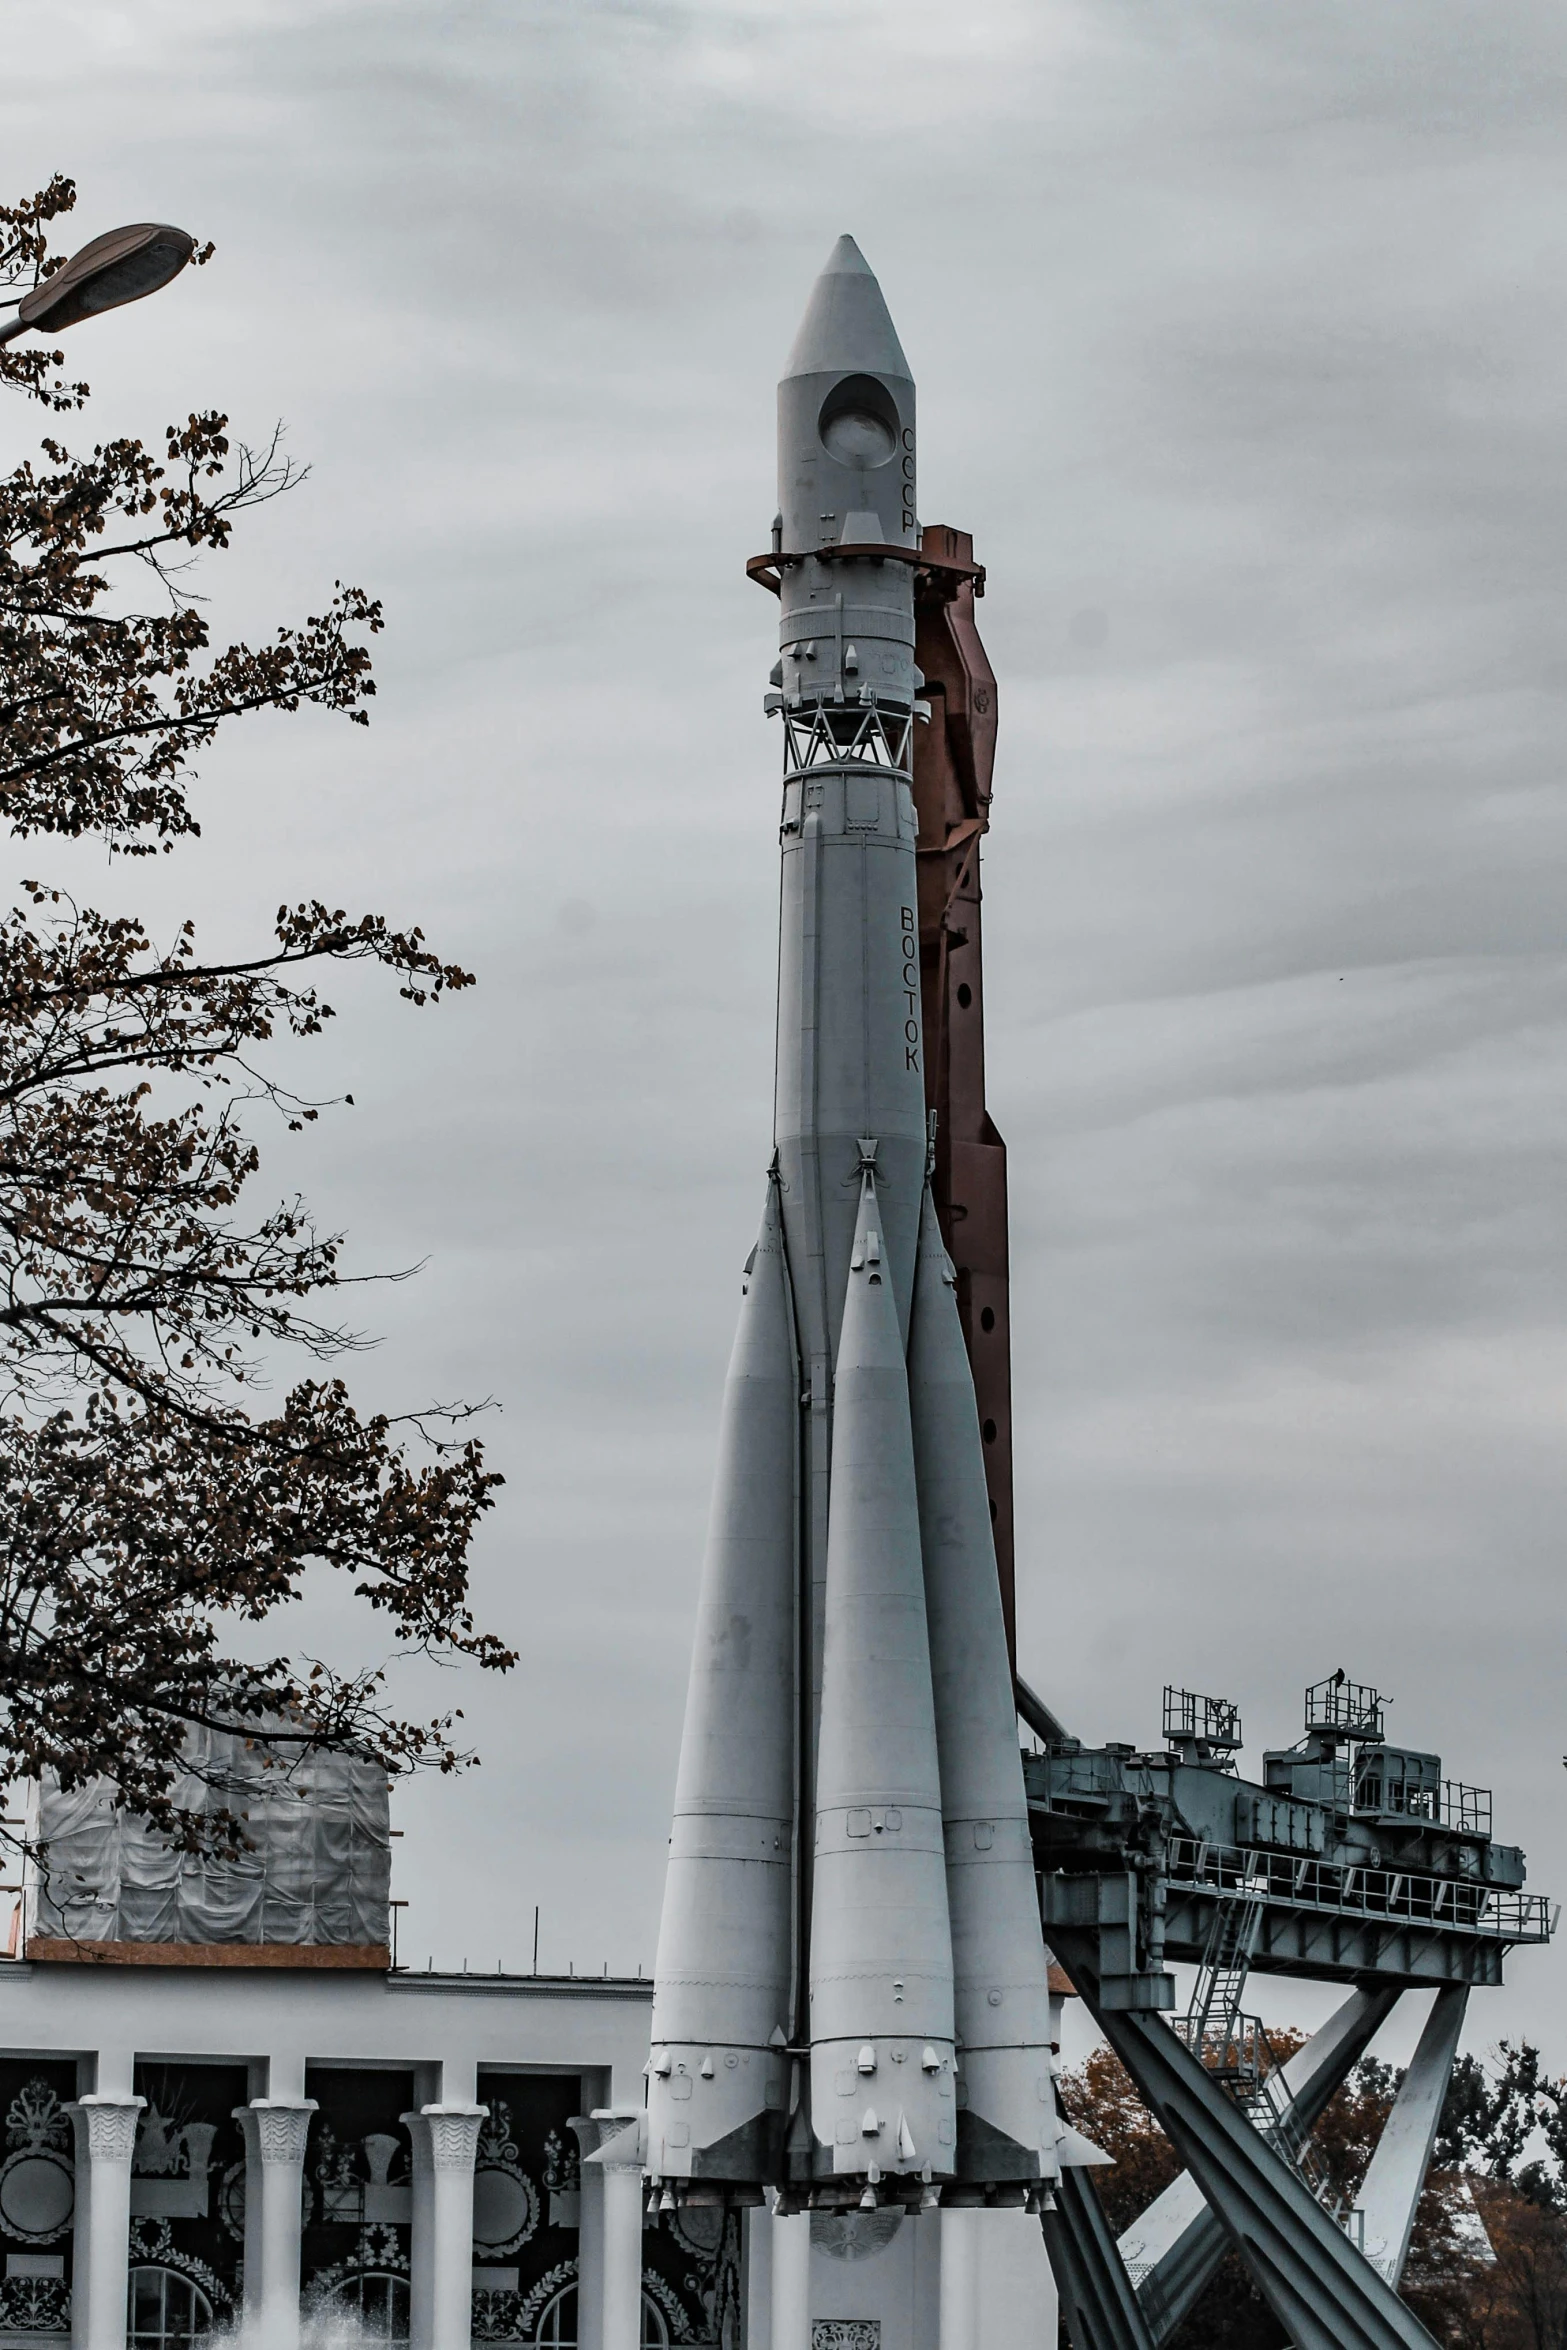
(1235, 2048)
(1210, 2024)
(1266, 2102)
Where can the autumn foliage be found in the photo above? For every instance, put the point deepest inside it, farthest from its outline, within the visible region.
(1487, 2268)
(155, 1492)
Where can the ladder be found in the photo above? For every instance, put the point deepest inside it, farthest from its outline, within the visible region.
(1210, 2022)
(1235, 2047)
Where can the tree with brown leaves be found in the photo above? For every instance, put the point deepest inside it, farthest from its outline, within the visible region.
(149, 1498)
(1488, 2180)
(1100, 2098)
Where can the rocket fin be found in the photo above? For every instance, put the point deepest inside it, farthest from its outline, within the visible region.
(881, 1953)
(722, 1976)
(1075, 2152)
(1001, 1982)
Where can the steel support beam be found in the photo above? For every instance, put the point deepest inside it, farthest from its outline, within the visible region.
(954, 756)
(1391, 2192)
(1317, 1946)
(1172, 2250)
(1323, 2292)
(1098, 2305)
(1038, 1716)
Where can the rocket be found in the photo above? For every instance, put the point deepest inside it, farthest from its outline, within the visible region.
(850, 1992)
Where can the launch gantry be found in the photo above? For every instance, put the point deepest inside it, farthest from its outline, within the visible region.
(852, 1994)
(1352, 1861)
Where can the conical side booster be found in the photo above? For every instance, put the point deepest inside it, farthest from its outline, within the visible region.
(722, 1981)
(882, 2084)
(1007, 2128)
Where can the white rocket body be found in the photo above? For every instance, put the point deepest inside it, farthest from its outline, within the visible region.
(849, 1047)
(1008, 2127)
(722, 1990)
(881, 1948)
(850, 1852)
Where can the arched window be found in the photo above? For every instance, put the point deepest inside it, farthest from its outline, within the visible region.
(167, 2312)
(378, 2301)
(558, 2323)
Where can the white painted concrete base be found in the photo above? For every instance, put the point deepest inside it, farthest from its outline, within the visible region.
(960, 2248)
(954, 2280)
(1017, 2293)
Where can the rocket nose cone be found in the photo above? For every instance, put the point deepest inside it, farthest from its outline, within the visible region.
(847, 260)
(847, 328)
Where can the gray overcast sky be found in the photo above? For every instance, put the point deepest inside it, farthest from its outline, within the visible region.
(1241, 339)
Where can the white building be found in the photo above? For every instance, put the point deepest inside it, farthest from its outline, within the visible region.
(221, 2104)
(204, 2141)
(200, 2142)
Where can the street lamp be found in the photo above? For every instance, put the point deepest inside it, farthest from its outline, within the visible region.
(119, 267)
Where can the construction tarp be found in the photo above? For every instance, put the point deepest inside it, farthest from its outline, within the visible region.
(318, 1867)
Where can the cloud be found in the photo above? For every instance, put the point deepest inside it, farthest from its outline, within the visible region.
(1241, 349)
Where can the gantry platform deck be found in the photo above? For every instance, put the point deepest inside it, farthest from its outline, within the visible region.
(1350, 1861)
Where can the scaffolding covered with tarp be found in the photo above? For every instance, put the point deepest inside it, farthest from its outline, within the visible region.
(313, 1869)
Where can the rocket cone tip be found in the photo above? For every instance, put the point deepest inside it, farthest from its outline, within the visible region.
(847, 327)
(931, 1259)
(846, 260)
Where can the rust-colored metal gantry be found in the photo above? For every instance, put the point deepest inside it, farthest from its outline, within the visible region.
(953, 759)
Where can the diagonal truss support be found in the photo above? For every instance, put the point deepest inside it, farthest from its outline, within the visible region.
(1172, 2249)
(1323, 2292)
(1099, 2306)
(1391, 2191)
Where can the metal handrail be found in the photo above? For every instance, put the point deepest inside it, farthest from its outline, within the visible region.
(1344, 1708)
(1499, 1913)
(1452, 1804)
(1466, 1808)
(1188, 1714)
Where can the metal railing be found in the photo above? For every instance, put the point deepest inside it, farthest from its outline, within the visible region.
(1212, 1719)
(1468, 1809)
(1244, 2065)
(1348, 1889)
(1344, 1708)
(1452, 1804)
(1209, 2024)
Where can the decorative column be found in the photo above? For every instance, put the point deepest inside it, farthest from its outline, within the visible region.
(590, 2237)
(105, 2130)
(609, 2257)
(445, 2139)
(623, 2194)
(792, 2280)
(275, 2130)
